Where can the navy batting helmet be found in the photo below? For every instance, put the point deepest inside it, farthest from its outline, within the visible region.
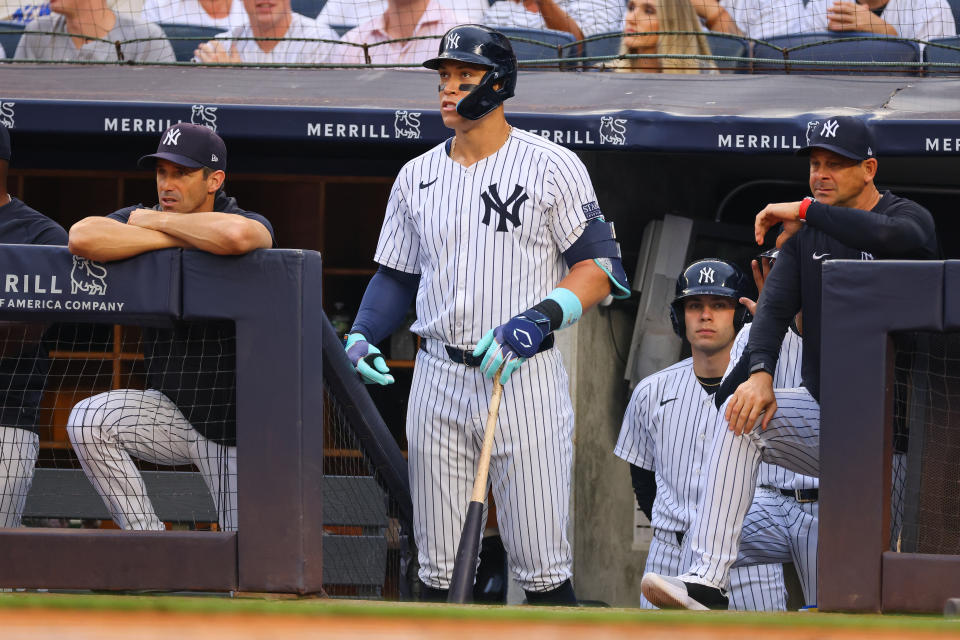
(710, 277)
(482, 46)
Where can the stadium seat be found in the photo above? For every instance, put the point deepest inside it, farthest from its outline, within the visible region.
(192, 35)
(539, 44)
(309, 8)
(955, 8)
(10, 33)
(608, 44)
(934, 53)
(814, 47)
(722, 45)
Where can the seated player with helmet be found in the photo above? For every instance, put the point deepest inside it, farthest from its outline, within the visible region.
(188, 413)
(850, 218)
(497, 234)
(670, 415)
(23, 358)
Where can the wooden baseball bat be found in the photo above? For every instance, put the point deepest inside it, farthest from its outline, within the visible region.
(465, 563)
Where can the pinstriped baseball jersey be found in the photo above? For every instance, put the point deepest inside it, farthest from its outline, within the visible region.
(486, 239)
(666, 429)
(786, 376)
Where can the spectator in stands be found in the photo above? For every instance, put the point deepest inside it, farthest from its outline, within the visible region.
(188, 413)
(402, 19)
(646, 17)
(24, 365)
(273, 19)
(916, 19)
(350, 13)
(582, 18)
(224, 14)
(762, 19)
(86, 30)
(714, 17)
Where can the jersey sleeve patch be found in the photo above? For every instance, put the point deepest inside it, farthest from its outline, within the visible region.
(591, 210)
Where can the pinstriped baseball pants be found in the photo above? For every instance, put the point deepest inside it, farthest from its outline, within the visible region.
(753, 588)
(791, 440)
(109, 429)
(18, 456)
(529, 470)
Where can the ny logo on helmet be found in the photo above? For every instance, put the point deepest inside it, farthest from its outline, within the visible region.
(172, 137)
(706, 275)
(491, 201)
(453, 40)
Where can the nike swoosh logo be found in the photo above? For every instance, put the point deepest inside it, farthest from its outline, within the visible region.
(424, 186)
(819, 257)
(663, 402)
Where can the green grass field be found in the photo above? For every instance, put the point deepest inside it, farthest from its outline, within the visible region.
(388, 610)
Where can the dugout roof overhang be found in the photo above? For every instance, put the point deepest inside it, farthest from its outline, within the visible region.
(750, 114)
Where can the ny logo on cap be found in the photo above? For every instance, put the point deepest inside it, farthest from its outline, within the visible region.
(172, 137)
(829, 129)
(706, 275)
(453, 40)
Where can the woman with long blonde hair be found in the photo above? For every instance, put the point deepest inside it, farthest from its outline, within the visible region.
(646, 17)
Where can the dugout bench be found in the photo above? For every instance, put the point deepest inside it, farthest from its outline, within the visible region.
(351, 503)
(272, 297)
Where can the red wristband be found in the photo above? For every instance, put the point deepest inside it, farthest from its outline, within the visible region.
(804, 205)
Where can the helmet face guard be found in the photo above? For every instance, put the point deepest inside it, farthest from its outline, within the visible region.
(482, 46)
(710, 277)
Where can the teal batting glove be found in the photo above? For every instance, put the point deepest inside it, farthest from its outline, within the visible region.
(367, 360)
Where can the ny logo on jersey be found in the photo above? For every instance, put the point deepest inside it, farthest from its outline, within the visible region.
(864, 255)
(453, 41)
(706, 275)
(492, 201)
(829, 129)
(172, 137)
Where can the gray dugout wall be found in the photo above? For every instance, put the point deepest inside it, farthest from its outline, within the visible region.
(273, 296)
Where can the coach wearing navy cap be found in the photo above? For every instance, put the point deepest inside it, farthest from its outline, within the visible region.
(847, 218)
(188, 413)
(24, 368)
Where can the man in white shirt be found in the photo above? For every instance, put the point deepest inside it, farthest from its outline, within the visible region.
(299, 38)
(916, 19)
(762, 19)
(589, 17)
(350, 13)
(402, 19)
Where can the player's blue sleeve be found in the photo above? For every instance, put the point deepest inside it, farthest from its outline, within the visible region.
(598, 242)
(385, 303)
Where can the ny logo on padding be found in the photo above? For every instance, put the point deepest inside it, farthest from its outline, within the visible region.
(865, 255)
(706, 275)
(492, 201)
(829, 129)
(453, 40)
(172, 137)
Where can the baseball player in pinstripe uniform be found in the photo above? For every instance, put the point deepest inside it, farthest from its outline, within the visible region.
(497, 234)
(188, 416)
(850, 218)
(24, 363)
(670, 417)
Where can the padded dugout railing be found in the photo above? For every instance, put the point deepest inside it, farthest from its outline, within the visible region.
(863, 303)
(273, 297)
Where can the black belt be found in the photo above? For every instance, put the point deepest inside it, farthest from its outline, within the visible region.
(802, 495)
(467, 358)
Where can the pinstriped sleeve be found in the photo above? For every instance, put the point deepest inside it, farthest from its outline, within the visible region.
(399, 243)
(635, 444)
(576, 201)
